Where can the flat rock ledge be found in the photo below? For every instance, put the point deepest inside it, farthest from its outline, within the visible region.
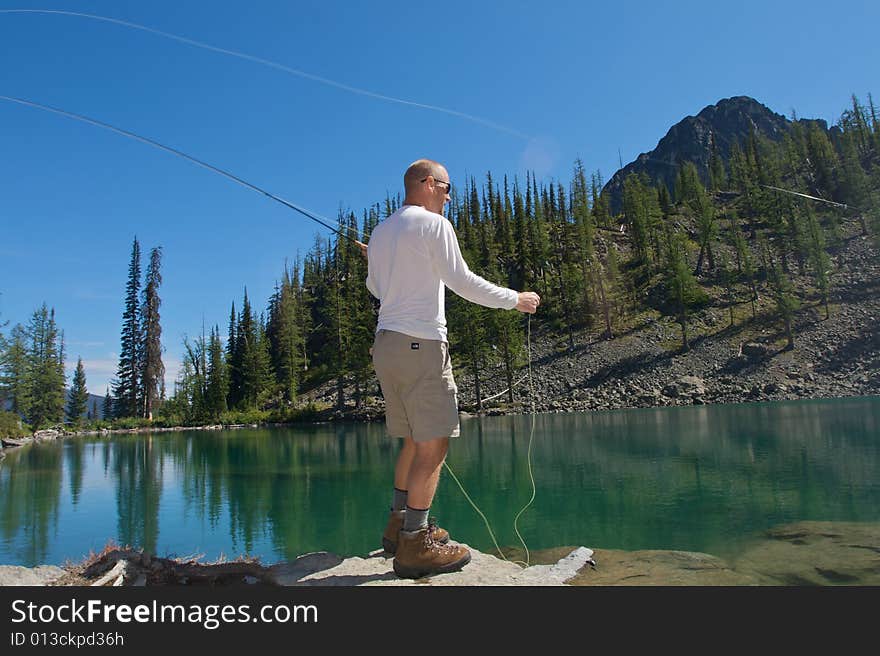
(326, 569)
(130, 568)
(40, 575)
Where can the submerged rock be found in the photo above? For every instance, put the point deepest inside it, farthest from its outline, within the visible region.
(816, 553)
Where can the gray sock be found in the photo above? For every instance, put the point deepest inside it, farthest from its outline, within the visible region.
(415, 519)
(399, 500)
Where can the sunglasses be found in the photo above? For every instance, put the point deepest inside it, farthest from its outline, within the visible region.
(448, 184)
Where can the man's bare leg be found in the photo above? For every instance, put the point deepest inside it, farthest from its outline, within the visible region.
(404, 462)
(424, 474)
(419, 553)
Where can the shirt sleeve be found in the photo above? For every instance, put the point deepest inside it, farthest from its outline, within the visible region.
(454, 272)
(371, 285)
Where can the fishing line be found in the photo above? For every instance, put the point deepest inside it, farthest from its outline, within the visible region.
(528, 460)
(821, 200)
(85, 119)
(275, 65)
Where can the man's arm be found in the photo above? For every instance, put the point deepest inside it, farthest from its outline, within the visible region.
(371, 286)
(454, 272)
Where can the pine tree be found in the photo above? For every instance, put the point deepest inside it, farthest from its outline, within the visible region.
(245, 340)
(362, 321)
(586, 233)
(612, 296)
(152, 367)
(218, 381)
(717, 174)
(504, 236)
(654, 219)
(127, 384)
(284, 337)
(855, 182)
(233, 363)
(745, 262)
(107, 408)
(193, 381)
(506, 332)
(78, 397)
(341, 256)
(682, 289)
(783, 294)
(46, 365)
(4, 346)
(253, 354)
(15, 372)
(522, 248)
(823, 162)
(707, 227)
(636, 217)
(728, 279)
(687, 184)
(468, 337)
(539, 239)
(264, 377)
(819, 260)
(664, 200)
(601, 201)
(564, 280)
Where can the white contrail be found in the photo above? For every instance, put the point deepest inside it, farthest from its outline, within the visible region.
(275, 65)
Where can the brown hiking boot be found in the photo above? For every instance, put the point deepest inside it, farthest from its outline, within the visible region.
(418, 555)
(395, 523)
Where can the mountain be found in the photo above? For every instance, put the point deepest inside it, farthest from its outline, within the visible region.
(729, 121)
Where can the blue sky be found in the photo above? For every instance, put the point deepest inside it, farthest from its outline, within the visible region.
(573, 79)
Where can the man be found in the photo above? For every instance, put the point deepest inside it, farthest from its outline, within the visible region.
(411, 255)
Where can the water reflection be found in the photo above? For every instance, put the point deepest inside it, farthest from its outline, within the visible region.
(30, 496)
(701, 479)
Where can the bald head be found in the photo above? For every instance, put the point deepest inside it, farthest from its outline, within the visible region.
(419, 170)
(427, 185)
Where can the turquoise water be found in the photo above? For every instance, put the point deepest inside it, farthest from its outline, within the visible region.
(700, 478)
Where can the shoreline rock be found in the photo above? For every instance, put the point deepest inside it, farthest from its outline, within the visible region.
(126, 567)
(800, 553)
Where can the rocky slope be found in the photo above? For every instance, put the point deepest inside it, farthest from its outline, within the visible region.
(643, 366)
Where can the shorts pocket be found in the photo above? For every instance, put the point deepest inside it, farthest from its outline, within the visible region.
(446, 371)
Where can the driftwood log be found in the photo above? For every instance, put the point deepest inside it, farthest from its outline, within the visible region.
(130, 567)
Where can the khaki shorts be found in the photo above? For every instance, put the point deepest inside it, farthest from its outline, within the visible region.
(421, 399)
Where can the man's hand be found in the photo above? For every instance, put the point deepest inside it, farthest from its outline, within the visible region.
(362, 246)
(528, 302)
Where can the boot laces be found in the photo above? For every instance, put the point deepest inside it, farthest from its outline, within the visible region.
(432, 545)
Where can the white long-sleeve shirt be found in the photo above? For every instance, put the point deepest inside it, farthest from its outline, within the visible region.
(411, 255)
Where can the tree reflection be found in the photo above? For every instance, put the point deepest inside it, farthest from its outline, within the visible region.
(136, 468)
(30, 494)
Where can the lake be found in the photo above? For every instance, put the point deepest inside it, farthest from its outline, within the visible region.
(700, 478)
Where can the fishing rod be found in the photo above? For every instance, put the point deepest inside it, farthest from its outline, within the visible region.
(86, 119)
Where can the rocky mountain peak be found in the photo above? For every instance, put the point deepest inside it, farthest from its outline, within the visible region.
(728, 121)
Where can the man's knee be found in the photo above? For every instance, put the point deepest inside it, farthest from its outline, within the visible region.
(434, 449)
